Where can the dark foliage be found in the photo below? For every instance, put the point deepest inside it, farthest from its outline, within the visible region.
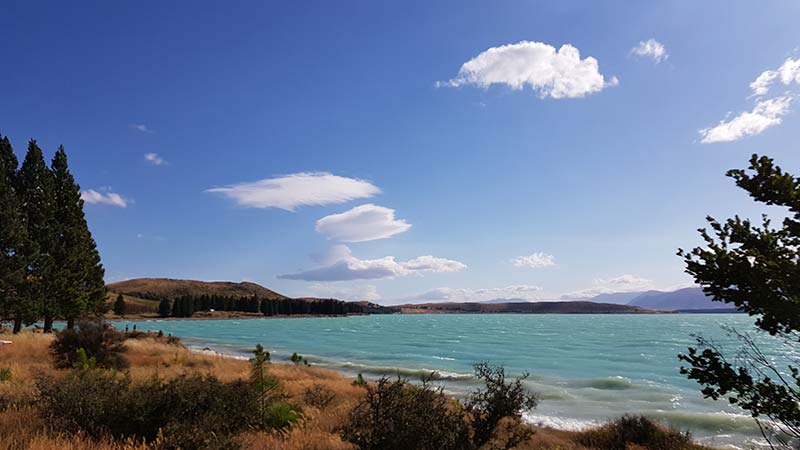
(189, 412)
(99, 341)
(319, 396)
(49, 264)
(119, 305)
(164, 308)
(636, 430)
(78, 285)
(499, 399)
(757, 269)
(13, 235)
(397, 414)
(187, 305)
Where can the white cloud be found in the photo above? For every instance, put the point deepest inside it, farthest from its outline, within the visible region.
(103, 198)
(341, 265)
(300, 189)
(765, 114)
(446, 294)
(154, 159)
(535, 260)
(623, 283)
(362, 223)
(355, 293)
(787, 73)
(142, 128)
(555, 74)
(651, 48)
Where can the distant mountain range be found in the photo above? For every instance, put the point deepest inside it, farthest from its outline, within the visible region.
(520, 306)
(147, 291)
(686, 299)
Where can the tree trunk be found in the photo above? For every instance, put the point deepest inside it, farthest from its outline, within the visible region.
(17, 325)
(48, 323)
(70, 323)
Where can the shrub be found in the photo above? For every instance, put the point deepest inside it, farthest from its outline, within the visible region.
(185, 412)
(5, 374)
(279, 415)
(360, 381)
(298, 359)
(273, 412)
(627, 431)
(99, 341)
(396, 414)
(319, 396)
(499, 400)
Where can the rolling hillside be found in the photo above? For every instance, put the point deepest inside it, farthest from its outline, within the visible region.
(160, 288)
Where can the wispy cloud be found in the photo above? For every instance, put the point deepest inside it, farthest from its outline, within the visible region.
(353, 293)
(787, 73)
(141, 128)
(362, 223)
(765, 114)
(622, 283)
(552, 73)
(343, 266)
(300, 189)
(103, 198)
(154, 159)
(524, 292)
(535, 260)
(652, 49)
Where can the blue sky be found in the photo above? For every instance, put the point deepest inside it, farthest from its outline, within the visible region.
(399, 151)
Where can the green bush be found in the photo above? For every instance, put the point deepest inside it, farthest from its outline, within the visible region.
(636, 430)
(187, 412)
(498, 401)
(360, 381)
(399, 415)
(5, 374)
(99, 341)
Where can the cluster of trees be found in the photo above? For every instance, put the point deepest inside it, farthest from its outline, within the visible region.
(187, 305)
(49, 264)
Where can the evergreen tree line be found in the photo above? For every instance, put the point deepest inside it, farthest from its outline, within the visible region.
(49, 264)
(186, 306)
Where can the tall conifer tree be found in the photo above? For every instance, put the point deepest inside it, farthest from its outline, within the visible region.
(12, 239)
(78, 285)
(36, 194)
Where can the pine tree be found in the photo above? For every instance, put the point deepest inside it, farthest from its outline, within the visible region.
(79, 288)
(164, 308)
(35, 190)
(12, 239)
(119, 305)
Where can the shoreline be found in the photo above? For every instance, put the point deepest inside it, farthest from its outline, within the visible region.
(243, 316)
(533, 418)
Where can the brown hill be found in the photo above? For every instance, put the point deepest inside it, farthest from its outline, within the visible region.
(160, 288)
(522, 308)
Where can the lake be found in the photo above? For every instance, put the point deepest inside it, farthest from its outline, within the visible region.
(587, 368)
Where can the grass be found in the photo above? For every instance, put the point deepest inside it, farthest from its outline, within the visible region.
(22, 428)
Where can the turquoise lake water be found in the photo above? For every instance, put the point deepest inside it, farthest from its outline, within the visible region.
(587, 368)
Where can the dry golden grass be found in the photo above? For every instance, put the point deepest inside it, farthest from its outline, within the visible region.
(21, 427)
